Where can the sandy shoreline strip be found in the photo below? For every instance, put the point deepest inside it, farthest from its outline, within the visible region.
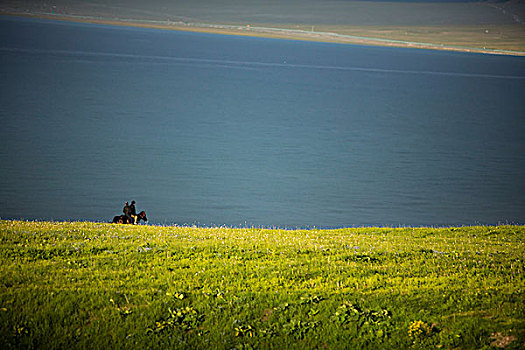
(254, 31)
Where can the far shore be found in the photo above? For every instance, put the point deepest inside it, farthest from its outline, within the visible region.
(358, 36)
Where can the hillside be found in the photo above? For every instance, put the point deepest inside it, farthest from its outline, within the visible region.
(78, 285)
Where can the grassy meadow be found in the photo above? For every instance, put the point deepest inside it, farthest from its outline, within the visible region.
(94, 285)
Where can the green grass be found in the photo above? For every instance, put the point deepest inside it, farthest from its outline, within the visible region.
(92, 285)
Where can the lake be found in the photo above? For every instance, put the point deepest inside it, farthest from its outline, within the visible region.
(212, 130)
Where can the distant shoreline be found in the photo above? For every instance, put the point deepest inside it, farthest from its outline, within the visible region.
(265, 32)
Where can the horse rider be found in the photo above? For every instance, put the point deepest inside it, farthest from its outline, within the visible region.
(133, 212)
(127, 211)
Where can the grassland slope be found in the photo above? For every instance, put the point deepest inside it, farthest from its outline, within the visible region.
(93, 285)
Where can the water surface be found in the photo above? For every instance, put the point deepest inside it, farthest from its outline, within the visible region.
(213, 129)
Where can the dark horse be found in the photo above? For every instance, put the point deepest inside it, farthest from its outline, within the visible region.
(123, 219)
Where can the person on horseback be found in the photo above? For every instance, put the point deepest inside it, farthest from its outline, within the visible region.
(123, 219)
(127, 210)
(133, 212)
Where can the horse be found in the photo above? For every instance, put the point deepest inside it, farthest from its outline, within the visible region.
(135, 219)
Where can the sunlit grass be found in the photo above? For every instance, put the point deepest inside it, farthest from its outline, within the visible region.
(92, 285)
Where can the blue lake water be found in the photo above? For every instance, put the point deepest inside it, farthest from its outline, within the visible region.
(211, 130)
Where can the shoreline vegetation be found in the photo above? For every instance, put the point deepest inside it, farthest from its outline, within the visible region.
(485, 39)
(96, 285)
